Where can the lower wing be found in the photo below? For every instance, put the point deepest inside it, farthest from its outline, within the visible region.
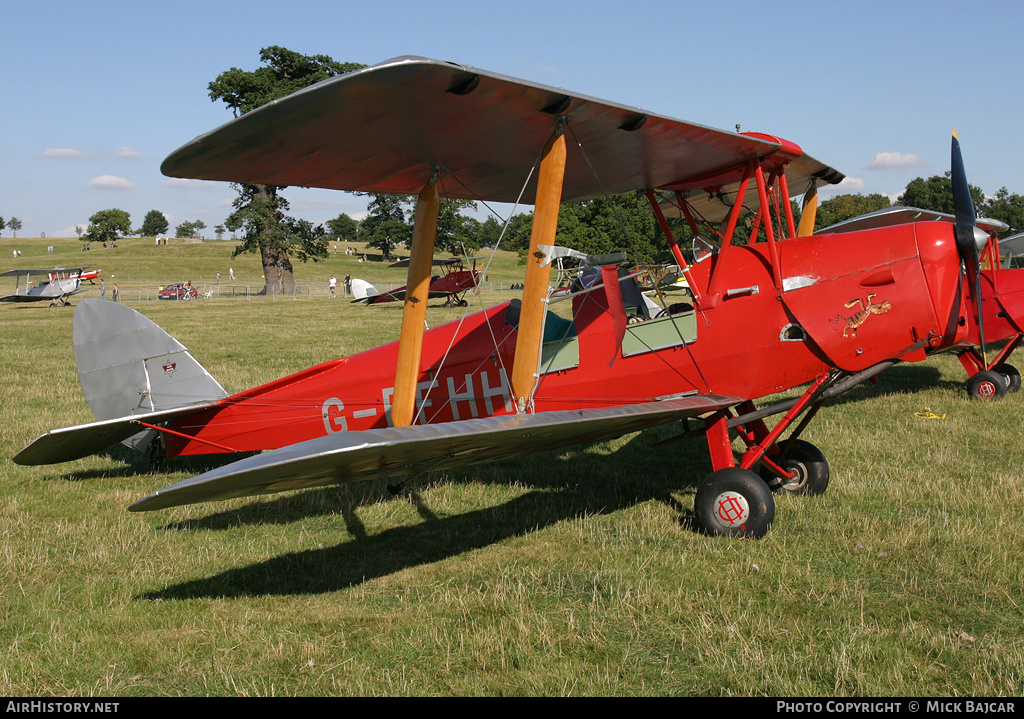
(404, 451)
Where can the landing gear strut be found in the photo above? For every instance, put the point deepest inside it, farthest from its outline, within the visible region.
(807, 462)
(736, 501)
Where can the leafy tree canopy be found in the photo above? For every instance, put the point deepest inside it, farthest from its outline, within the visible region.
(1006, 207)
(153, 224)
(342, 228)
(844, 207)
(190, 229)
(107, 226)
(259, 214)
(935, 193)
(259, 211)
(385, 226)
(603, 225)
(283, 73)
(15, 224)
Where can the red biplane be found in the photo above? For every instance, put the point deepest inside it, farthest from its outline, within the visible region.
(91, 276)
(452, 285)
(762, 316)
(999, 294)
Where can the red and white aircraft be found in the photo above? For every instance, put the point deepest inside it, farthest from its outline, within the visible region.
(61, 283)
(764, 316)
(453, 285)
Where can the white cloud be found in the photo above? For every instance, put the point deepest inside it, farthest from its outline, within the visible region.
(895, 161)
(64, 153)
(110, 182)
(126, 152)
(849, 186)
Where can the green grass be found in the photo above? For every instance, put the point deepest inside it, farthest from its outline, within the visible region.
(570, 573)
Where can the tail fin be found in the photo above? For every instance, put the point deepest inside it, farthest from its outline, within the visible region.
(128, 365)
(363, 291)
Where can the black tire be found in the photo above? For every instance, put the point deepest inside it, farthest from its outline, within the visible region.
(987, 385)
(812, 472)
(1012, 377)
(734, 502)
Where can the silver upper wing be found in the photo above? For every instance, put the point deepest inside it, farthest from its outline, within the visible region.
(387, 127)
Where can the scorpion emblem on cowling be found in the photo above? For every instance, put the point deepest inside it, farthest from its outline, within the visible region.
(867, 308)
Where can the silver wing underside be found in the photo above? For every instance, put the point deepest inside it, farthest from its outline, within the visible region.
(891, 216)
(404, 451)
(386, 128)
(1014, 245)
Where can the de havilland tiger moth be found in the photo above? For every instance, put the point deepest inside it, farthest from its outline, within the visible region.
(997, 299)
(763, 315)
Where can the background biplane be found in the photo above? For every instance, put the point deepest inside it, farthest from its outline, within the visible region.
(60, 283)
(762, 317)
(453, 285)
(1011, 249)
(998, 296)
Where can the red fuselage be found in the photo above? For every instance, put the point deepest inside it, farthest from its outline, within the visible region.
(846, 301)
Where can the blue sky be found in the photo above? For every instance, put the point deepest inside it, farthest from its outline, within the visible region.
(96, 94)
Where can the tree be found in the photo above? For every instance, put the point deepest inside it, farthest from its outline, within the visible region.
(219, 230)
(15, 224)
(259, 211)
(936, 194)
(489, 232)
(1006, 207)
(107, 226)
(153, 224)
(385, 226)
(456, 233)
(3, 224)
(342, 228)
(190, 229)
(844, 207)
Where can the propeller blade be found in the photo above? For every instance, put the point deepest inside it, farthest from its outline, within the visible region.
(969, 237)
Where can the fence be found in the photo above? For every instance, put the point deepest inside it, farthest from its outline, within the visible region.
(147, 291)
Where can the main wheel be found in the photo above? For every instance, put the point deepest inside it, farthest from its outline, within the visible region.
(1012, 377)
(987, 385)
(810, 465)
(734, 502)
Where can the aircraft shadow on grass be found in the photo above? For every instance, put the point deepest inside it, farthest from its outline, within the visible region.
(563, 487)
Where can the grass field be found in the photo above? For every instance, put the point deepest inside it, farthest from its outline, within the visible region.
(571, 573)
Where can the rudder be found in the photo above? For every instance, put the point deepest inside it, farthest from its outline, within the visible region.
(129, 365)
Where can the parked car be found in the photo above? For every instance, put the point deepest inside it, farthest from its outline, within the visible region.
(178, 291)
